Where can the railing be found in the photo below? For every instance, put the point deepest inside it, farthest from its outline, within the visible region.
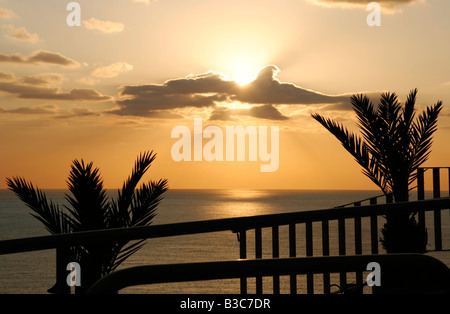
(242, 226)
(436, 192)
(324, 217)
(431, 275)
(266, 228)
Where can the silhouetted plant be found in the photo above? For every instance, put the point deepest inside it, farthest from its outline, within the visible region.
(394, 144)
(90, 209)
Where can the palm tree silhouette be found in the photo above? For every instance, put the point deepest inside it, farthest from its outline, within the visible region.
(90, 209)
(394, 144)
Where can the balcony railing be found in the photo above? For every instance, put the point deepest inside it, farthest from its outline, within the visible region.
(436, 273)
(348, 230)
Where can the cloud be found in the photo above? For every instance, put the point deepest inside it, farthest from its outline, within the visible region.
(388, 5)
(267, 89)
(24, 91)
(7, 76)
(78, 112)
(217, 91)
(51, 110)
(39, 87)
(46, 109)
(6, 13)
(112, 70)
(11, 31)
(45, 79)
(261, 112)
(106, 27)
(39, 57)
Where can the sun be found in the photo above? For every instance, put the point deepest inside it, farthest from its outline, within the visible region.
(243, 69)
(243, 78)
(243, 75)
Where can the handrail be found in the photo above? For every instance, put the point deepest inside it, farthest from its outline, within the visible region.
(360, 201)
(419, 186)
(437, 273)
(225, 224)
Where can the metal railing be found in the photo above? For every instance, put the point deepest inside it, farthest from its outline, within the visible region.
(429, 275)
(241, 226)
(347, 216)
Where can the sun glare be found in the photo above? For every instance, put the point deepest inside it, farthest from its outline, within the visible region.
(243, 70)
(243, 78)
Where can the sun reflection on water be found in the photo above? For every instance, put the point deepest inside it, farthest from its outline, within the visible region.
(238, 203)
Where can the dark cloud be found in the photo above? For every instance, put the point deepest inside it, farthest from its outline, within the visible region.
(77, 112)
(26, 91)
(7, 76)
(48, 109)
(267, 89)
(39, 57)
(51, 110)
(209, 89)
(261, 112)
(42, 79)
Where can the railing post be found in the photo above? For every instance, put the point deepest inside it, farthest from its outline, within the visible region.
(421, 194)
(309, 252)
(358, 245)
(342, 249)
(276, 254)
(389, 198)
(436, 183)
(374, 229)
(326, 252)
(420, 184)
(62, 259)
(292, 253)
(243, 255)
(258, 254)
(437, 212)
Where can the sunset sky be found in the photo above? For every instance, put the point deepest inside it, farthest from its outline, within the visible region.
(118, 84)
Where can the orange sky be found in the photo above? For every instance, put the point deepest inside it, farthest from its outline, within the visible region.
(134, 70)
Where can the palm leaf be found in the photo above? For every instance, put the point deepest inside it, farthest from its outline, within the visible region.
(395, 143)
(357, 148)
(141, 166)
(145, 202)
(45, 211)
(89, 203)
(424, 128)
(90, 209)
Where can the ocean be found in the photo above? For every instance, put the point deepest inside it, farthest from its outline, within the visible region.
(34, 272)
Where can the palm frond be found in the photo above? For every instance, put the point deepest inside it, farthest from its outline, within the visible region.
(89, 203)
(409, 109)
(146, 200)
(125, 196)
(90, 209)
(125, 253)
(424, 128)
(45, 211)
(357, 148)
(142, 210)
